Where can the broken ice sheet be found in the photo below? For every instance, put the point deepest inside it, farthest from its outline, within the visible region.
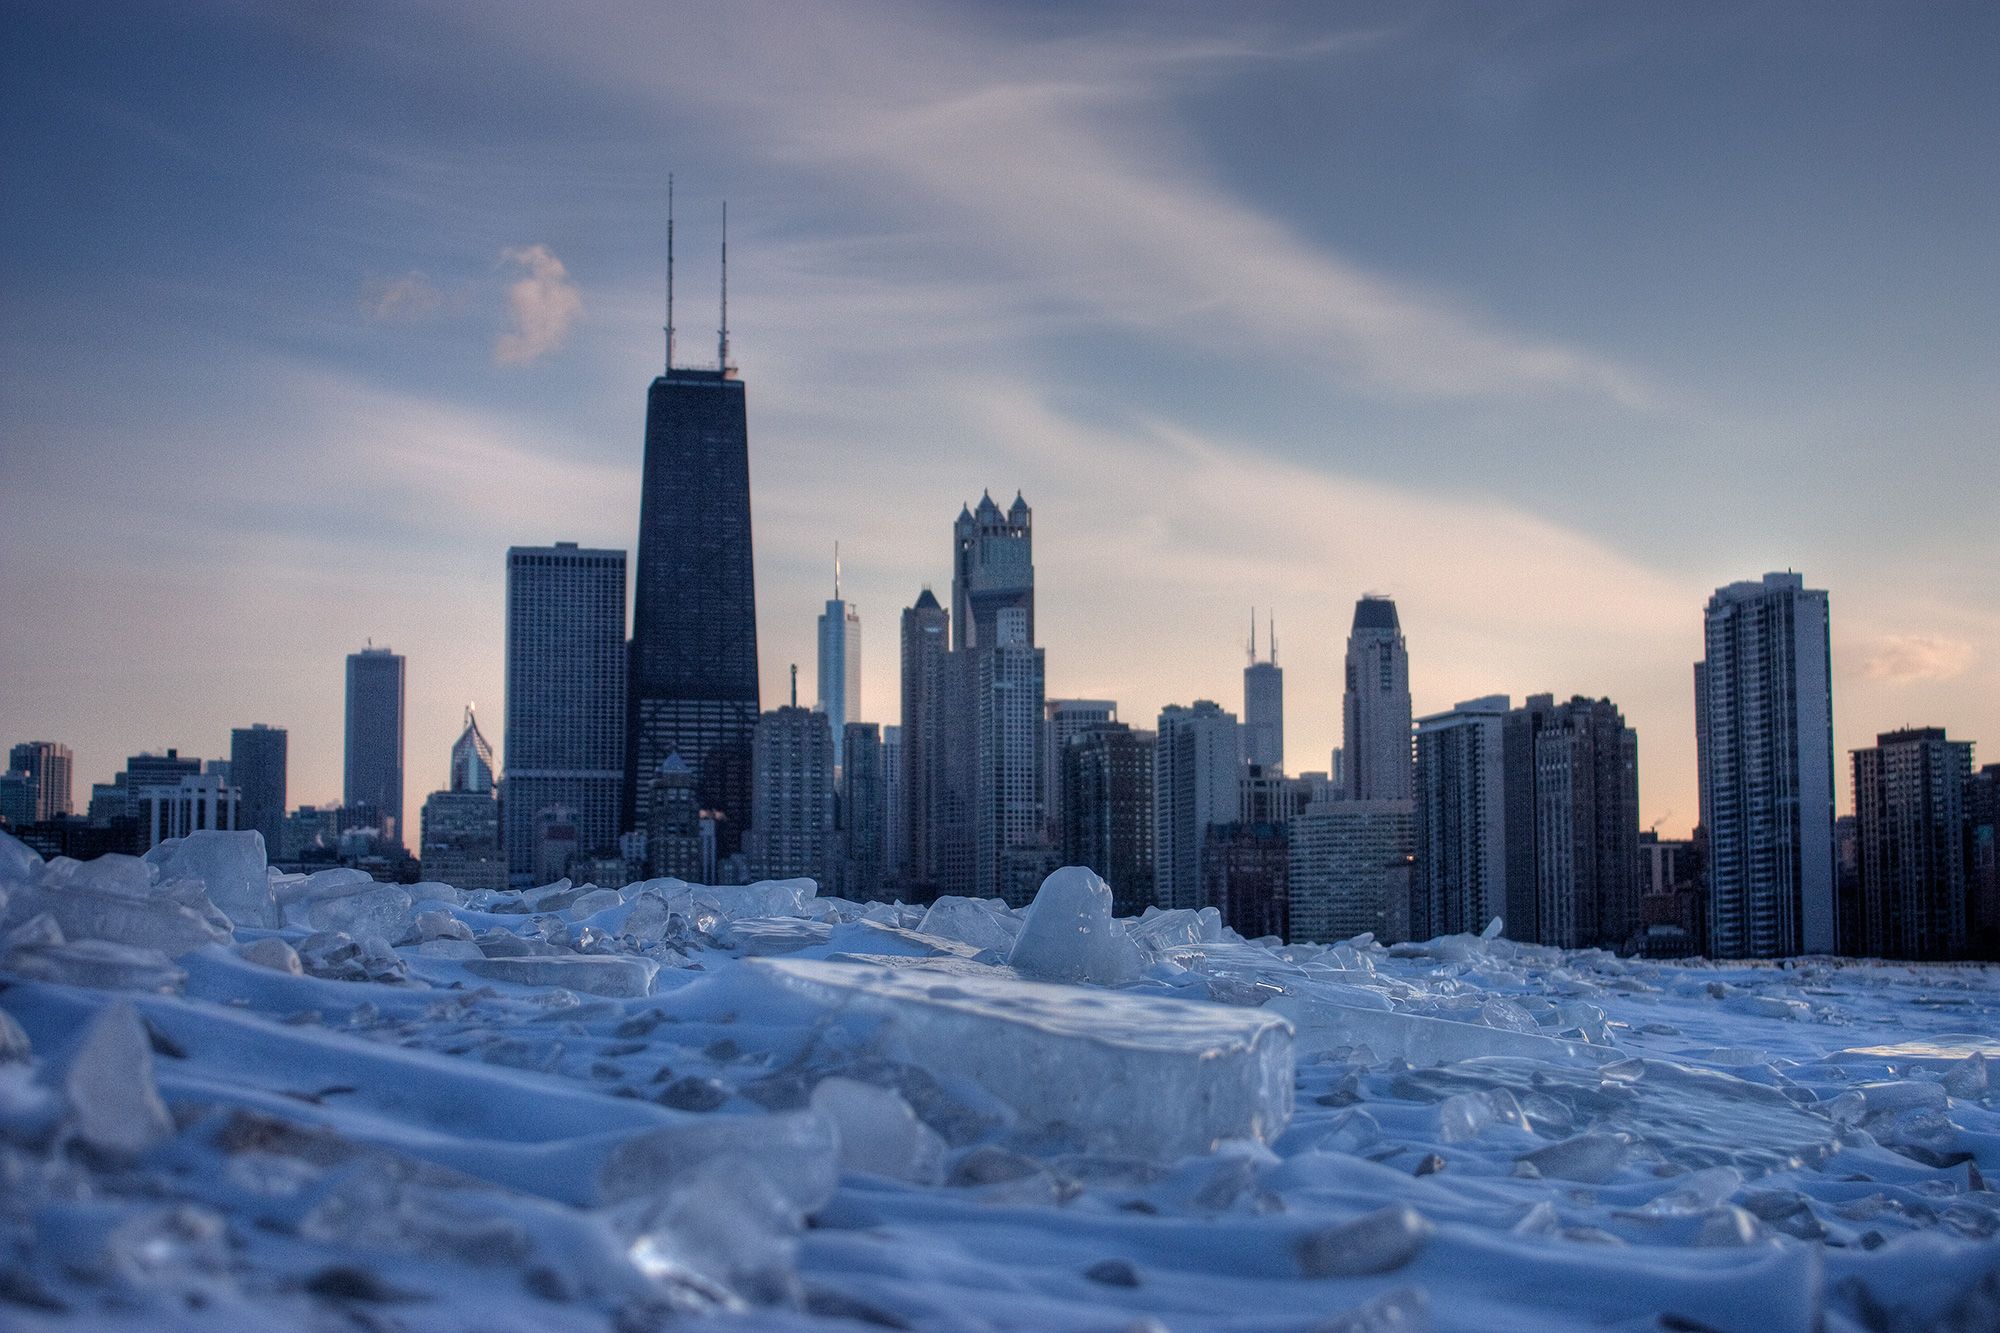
(1125, 1072)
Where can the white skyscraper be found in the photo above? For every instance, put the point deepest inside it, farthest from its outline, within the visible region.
(1197, 766)
(1764, 741)
(1459, 877)
(839, 663)
(1376, 724)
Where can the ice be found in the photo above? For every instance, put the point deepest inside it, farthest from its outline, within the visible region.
(231, 869)
(593, 974)
(1180, 927)
(14, 1043)
(118, 907)
(797, 1152)
(379, 912)
(1129, 1073)
(1421, 1040)
(879, 1133)
(109, 1085)
(273, 953)
(19, 863)
(1381, 1242)
(979, 922)
(98, 964)
(1590, 1158)
(1069, 934)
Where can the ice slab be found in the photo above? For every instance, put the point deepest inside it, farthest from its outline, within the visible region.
(231, 869)
(379, 911)
(1069, 935)
(1138, 1074)
(594, 974)
(879, 1133)
(99, 964)
(1418, 1038)
(979, 922)
(19, 863)
(113, 1103)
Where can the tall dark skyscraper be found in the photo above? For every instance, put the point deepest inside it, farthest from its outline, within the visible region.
(693, 675)
(375, 735)
(926, 648)
(1909, 808)
(257, 771)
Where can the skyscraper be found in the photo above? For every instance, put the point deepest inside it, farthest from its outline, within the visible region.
(1587, 827)
(1982, 862)
(1909, 808)
(1264, 706)
(565, 702)
(460, 842)
(993, 567)
(893, 822)
(693, 687)
(1349, 866)
(1764, 748)
(1197, 765)
(863, 820)
(1107, 810)
(49, 767)
(792, 768)
(374, 777)
(839, 665)
(1012, 852)
(1376, 710)
(257, 757)
(926, 649)
(1459, 876)
(1063, 719)
(472, 757)
(1245, 873)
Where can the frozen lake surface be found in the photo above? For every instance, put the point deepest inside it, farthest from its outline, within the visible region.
(235, 1099)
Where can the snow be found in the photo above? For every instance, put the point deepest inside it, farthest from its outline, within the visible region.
(236, 1099)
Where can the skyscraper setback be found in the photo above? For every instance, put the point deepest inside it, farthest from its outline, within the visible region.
(1375, 723)
(692, 685)
(1764, 749)
(375, 736)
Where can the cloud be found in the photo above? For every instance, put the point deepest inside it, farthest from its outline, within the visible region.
(542, 306)
(405, 300)
(1903, 659)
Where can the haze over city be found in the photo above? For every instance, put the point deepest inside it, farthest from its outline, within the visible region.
(1545, 320)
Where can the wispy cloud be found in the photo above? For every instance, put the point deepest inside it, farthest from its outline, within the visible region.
(542, 305)
(408, 299)
(1903, 659)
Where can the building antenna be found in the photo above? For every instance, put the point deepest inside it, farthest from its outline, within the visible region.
(795, 684)
(836, 571)
(1273, 616)
(1253, 636)
(722, 345)
(670, 272)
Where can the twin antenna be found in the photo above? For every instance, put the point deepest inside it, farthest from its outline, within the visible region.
(1253, 637)
(722, 339)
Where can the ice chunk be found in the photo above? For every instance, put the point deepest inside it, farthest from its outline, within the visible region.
(1404, 1310)
(114, 873)
(1379, 1242)
(99, 964)
(1590, 1158)
(231, 869)
(19, 863)
(379, 912)
(1069, 934)
(979, 922)
(1177, 928)
(796, 1151)
(1140, 1074)
(273, 953)
(879, 1133)
(113, 1102)
(775, 897)
(1417, 1038)
(14, 1044)
(86, 913)
(593, 974)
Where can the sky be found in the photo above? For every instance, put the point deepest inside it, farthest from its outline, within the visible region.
(1546, 319)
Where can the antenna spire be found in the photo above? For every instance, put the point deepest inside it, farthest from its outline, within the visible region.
(836, 571)
(1253, 636)
(795, 684)
(722, 344)
(670, 272)
(1273, 616)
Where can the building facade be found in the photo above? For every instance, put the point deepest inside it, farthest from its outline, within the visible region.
(839, 666)
(566, 715)
(374, 772)
(1350, 863)
(198, 801)
(793, 796)
(863, 818)
(1197, 769)
(993, 569)
(1245, 875)
(1909, 812)
(1375, 721)
(1063, 719)
(926, 644)
(1764, 747)
(1587, 828)
(1264, 706)
(1982, 862)
(1107, 811)
(50, 769)
(257, 766)
(1459, 874)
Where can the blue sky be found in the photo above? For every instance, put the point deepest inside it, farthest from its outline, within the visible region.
(1545, 318)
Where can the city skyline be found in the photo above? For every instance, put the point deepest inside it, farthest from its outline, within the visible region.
(1507, 461)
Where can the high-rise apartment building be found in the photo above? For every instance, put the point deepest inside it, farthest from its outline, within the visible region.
(1764, 746)
(1197, 767)
(566, 714)
(374, 777)
(50, 770)
(792, 779)
(1586, 801)
(1245, 875)
(257, 759)
(679, 842)
(863, 815)
(926, 644)
(1063, 719)
(1012, 851)
(1349, 866)
(1909, 810)
(1107, 811)
(693, 684)
(1264, 706)
(894, 832)
(197, 802)
(1459, 875)
(1982, 862)
(1375, 722)
(993, 568)
(839, 665)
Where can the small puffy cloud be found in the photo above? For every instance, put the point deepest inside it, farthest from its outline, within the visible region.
(404, 300)
(541, 306)
(1904, 658)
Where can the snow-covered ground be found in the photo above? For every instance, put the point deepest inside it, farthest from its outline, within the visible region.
(231, 1099)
